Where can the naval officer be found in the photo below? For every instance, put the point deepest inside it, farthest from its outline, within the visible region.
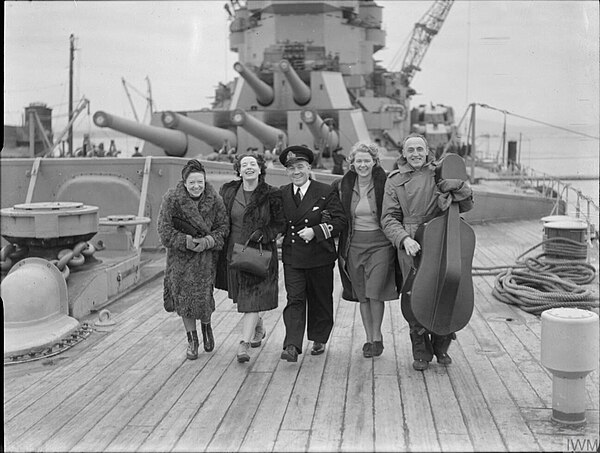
(314, 216)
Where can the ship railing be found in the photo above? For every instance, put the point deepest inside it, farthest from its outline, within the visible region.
(575, 202)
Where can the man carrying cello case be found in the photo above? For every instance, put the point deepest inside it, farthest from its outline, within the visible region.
(420, 216)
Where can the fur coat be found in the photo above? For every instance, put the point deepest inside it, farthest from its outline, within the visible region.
(264, 212)
(189, 276)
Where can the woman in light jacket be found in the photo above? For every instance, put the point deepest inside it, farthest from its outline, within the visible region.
(366, 256)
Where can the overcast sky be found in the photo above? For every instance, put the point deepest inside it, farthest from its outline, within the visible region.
(537, 59)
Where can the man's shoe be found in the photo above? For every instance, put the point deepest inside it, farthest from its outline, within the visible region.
(242, 352)
(367, 350)
(259, 334)
(318, 348)
(377, 348)
(444, 359)
(290, 353)
(420, 365)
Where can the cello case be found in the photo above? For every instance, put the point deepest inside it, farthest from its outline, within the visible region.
(438, 293)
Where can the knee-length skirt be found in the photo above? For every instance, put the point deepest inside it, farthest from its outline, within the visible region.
(371, 266)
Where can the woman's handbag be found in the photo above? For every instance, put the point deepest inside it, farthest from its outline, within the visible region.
(168, 301)
(251, 260)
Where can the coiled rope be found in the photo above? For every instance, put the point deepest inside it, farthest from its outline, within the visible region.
(538, 283)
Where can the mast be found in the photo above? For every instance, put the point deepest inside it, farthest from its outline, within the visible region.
(71, 56)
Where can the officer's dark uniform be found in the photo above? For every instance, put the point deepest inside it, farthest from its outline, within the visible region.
(308, 266)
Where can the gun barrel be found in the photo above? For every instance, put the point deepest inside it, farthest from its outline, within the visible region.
(300, 90)
(214, 136)
(264, 93)
(268, 135)
(173, 142)
(320, 130)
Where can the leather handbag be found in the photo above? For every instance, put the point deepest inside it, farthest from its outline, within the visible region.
(250, 260)
(185, 227)
(168, 301)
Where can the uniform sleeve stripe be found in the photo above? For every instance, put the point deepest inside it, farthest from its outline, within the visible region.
(326, 232)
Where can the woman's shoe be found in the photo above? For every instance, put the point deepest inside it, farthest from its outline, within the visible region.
(193, 343)
(242, 352)
(207, 337)
(367, 350)
(259, 334)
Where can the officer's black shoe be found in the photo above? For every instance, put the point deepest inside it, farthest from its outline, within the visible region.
(290, 353)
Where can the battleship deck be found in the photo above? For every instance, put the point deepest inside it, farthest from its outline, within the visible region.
(130, 388)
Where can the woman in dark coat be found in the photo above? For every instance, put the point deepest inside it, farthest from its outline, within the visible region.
(192, 225)
(256, 214)
(366, 257)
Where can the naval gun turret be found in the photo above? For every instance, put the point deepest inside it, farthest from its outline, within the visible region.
(309, 76)
(174, 143)
(301, 92)
(264, 93)
(214, 136)
(322, 130)
(269, 136)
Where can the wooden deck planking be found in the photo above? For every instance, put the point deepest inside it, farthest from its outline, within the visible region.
(100, 393)
(328, 421)
(506, 413)
(358, 434)
(389, 430)
(66, 372)
(130, 388)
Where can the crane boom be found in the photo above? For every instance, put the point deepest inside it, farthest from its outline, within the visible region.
(427, 27)
(130, 100)
(83, 103)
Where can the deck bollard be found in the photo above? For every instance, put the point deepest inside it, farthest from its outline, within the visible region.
(570, 352)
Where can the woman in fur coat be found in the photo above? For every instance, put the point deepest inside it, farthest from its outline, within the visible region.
(256, 214)
(192, 225)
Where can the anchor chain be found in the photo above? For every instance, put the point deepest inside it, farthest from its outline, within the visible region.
(66, 258)
(75, 257)
(10, 254)
(61, 345)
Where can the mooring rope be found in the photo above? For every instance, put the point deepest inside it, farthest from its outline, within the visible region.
(538, 283)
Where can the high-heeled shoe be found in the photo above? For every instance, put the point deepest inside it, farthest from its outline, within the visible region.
(193, 343)
(207, 337)
(259, 334)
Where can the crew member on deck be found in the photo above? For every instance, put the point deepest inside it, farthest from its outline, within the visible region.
(314, 216)
(412, 198)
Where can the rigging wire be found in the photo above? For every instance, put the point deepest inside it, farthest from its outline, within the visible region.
(506, 112)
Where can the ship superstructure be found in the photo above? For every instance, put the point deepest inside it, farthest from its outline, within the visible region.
(307, 75)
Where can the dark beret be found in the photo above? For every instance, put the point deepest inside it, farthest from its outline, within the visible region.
(192, 166)
(294, 153)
